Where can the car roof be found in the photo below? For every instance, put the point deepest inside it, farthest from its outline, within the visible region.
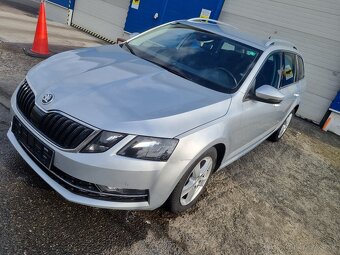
(232, 32)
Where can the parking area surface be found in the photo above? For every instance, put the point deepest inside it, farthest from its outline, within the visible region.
(281, 198)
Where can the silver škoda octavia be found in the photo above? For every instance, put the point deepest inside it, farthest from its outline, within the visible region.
(147, 122)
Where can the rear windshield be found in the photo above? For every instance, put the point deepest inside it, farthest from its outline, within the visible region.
(208, 59)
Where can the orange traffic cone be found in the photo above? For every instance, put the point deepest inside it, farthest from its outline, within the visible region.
(40, 43)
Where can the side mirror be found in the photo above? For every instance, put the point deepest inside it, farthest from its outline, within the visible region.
(269, 94)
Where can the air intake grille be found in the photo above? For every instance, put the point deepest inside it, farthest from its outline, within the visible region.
(25, 99)
(64, 132)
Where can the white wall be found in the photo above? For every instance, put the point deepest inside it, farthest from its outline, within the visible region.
(313, 25)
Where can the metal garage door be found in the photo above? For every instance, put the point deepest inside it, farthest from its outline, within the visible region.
(104, 18)
(313, 25)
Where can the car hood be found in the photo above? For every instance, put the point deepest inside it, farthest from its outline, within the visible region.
(111, 89)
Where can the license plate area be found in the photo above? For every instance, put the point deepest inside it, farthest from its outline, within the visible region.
(41, 152)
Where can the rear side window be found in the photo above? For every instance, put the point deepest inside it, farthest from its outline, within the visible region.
(301, 68)
(289, 69)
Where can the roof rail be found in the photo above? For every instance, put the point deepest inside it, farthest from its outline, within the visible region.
(211, 21)
(273, 41)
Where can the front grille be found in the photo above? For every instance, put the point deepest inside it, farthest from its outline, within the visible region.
(25, 99)
(64, 132)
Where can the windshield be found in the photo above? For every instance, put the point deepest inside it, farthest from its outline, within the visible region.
(208, 59)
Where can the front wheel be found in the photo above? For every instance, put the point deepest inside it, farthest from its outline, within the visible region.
(193, 183)
(280, 132)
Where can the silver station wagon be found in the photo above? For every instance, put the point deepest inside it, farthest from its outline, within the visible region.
(147, 122)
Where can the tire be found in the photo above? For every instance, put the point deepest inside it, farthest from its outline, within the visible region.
(278, 134)
(193, 183)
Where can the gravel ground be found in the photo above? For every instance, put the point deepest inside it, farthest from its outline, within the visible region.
(281, 198)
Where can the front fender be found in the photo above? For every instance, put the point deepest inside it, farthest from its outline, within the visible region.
(196, 142)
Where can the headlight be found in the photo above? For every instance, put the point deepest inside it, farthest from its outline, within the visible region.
(149, 148)
(103, 141)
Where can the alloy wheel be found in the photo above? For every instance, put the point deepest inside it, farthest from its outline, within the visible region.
(196, 180)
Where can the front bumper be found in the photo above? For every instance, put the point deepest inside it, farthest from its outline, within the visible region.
(66, 193)
(72, 170)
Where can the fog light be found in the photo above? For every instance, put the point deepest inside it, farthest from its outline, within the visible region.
(108, 189)
(117, 191)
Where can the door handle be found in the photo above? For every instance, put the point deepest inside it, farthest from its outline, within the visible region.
(156, 15)
(296, 95)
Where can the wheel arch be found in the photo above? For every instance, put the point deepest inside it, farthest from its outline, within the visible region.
(221, 149)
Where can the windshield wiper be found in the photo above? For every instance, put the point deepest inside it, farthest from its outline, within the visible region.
(171, 69)
(174, 70)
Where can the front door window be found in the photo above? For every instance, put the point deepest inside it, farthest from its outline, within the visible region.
(270, 72)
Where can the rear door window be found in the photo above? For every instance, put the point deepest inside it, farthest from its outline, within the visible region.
(289, 69)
